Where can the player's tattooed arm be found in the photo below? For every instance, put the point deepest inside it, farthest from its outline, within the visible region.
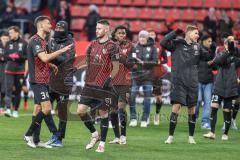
(48, 57)
(115, 68)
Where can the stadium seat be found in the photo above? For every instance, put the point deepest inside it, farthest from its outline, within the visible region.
(111, 2)
(181, 3)
(162, 27)
(196, 3)
(131, 13)
(201, 14)
(210, 3)
(187, 14)
(116, 12)
(233, 14)
(226, 4)
(125, 2)
(173, 14)
(77, 24)
(153, 3)
(104, 11)
(136, 26)
(236, 4)
(180, 25)
(101, 2)
(84, 1)
(79, 11)
(145, 13)
(167, 3)
(139, 2)
(159, 14)
(153, 25)
(218, 13)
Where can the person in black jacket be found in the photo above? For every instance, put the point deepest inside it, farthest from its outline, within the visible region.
(185, 57)
(205, 78)
(61, 38)
(225, 87)
(143, 58)
(4, 38)
(91, 22)
(16, 54)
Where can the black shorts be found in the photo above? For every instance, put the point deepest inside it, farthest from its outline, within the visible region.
(41, 92)
(89, 101)
(123, 93)
(184, 95)
(238, 90)
(227, 102)
(157, 87)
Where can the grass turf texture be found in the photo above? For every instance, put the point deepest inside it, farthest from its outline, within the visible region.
(142, 143)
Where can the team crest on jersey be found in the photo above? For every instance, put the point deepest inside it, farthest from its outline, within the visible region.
(20, 46)
(11, 46)
(37, 48)
(104, 51)
(147, 55)
(148, 49)
(124, 51)
(137, 50)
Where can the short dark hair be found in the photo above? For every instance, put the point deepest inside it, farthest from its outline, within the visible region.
(40, 19)
(117, 28)
(104, 22)
(205, 37)
(15, 28)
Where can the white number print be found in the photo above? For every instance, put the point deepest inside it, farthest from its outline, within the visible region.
(44, 95)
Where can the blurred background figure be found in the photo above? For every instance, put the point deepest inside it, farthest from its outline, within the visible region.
(91, 22)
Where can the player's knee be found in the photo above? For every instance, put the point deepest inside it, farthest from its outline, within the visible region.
(215, 105)
(191, 110)
(121, 105)
(103, 113)
(82, 109)
(176, 108)
(226, 110)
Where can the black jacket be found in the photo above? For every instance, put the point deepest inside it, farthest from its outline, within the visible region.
(205, 74)
(16, 66)
(2, 58)
(185, 59)
(56, 44)
(225, 84)
(146, 53)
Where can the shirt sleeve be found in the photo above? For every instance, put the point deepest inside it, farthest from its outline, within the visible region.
(37, 48)
(114, 52)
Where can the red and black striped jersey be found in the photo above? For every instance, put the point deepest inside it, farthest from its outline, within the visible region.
(99, 60)
(39, 71)
(125, 48)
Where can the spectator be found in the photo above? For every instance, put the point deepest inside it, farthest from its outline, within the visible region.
(91, 22)
(225, 23)
(63, 12)
(205, 78)
(2, 7)
(129, 32)
(143, 58)
(53, 4)
(210, 23)
(8, 15)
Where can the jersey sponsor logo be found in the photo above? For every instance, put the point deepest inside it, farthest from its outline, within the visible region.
(20, 46)
(134, 55)
(11, 46)
(148, 49)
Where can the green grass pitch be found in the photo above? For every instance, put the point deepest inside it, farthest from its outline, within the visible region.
(142, 143)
